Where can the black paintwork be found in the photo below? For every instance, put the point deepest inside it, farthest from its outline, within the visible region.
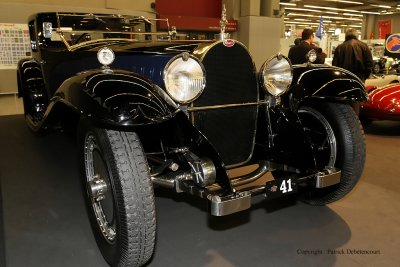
(325, 82)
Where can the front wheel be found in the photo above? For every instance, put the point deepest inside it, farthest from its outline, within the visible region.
(119, 194)
(338, 141)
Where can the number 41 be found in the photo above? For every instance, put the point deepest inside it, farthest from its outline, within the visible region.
(288, 188)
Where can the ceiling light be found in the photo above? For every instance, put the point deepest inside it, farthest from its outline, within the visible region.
(355, 26)
(382, 6)
(345, 1)
(327, 17)
(368, 12)
(332, 8)
(354, 15)
(287, 4)
(310, 10)
(301, 9)
(300, 15)
(302, 23)
(303, 19)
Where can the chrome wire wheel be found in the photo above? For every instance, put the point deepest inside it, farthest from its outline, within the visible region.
(99, 188)
(321, 137)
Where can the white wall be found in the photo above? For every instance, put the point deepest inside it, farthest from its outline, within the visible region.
(261, 35)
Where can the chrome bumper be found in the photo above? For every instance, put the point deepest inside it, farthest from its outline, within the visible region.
(221, 205)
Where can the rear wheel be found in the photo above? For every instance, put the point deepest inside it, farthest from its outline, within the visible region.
(337, 139)
(119, 195)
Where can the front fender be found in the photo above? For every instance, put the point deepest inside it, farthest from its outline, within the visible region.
(326, 82)
(116, 98)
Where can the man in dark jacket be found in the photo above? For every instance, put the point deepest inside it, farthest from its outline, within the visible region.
(353, 55)
(297, 54)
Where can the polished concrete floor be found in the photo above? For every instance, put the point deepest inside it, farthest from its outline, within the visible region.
(44, 223)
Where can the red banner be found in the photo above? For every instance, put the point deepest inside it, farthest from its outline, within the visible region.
(195, 15)
(196, 23)
(384, 28)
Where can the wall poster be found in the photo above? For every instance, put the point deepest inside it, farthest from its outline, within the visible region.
(14, 44)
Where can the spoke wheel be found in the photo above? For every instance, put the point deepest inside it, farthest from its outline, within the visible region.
(119, 194)
(99, 188)
(337, 139)
(321, 136)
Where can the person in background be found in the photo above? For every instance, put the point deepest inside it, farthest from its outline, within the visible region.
(297, 53)
(353, 55)
(297, 41)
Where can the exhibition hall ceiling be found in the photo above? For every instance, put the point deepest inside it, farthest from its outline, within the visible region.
(335, 13)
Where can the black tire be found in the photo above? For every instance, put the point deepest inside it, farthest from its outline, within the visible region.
(124, 222)
(345, 151)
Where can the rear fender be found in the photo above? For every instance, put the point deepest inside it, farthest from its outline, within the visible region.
(325, 82)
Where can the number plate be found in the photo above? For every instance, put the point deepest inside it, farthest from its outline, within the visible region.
(280, 187)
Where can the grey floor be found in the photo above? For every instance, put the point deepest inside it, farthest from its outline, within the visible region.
(43, 220)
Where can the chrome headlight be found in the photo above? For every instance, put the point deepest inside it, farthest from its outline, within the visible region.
(311, 56)
(277, 75)
(184, 78)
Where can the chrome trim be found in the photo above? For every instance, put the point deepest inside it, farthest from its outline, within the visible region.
(263, 168)
(355, 78)
(193, 109)
(221, 206)
(330, 177)
(185, 56)
(331, 81)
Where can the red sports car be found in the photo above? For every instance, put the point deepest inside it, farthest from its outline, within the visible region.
(383, 104)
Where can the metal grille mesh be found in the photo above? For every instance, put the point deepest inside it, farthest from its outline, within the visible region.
(231, 79)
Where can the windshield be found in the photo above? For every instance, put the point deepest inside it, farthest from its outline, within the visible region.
(77, 30)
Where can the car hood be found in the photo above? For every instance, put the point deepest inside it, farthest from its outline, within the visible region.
(143, 46)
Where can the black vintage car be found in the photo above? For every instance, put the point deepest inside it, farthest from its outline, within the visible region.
(152, 109)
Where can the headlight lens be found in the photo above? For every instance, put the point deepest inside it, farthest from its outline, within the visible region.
(184, 78)
(277, 75)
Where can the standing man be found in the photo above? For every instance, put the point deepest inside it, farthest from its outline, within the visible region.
(297, 54)
(353, 55)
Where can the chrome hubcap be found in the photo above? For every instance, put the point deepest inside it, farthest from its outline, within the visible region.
(99, 188)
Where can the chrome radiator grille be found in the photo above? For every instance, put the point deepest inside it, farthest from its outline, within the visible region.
(231, 82)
